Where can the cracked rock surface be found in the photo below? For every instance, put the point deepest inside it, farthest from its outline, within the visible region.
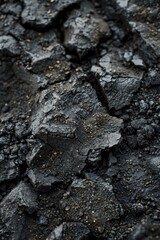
(79, 120)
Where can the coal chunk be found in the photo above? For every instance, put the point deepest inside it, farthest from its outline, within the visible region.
(42, 181)
(35, 14)
(47, 13)
(9, 46)
(12, 211)
(70, 118)
(91, 201)
(84, 29)
(119, 82)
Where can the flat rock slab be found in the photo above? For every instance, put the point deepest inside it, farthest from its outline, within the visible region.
(91, 201)
(12, 211)
(84, 29)
(70, 230)
(119, 82)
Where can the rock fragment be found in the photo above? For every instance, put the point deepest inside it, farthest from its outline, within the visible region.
(84, 29)
(69, 118)
(12, 211)
(154, 163)
(70, 230)
(119, 82)
(91, 201)
(38, 151)
(9, 46)
(41, 15)
(146, 33)
(35, 14)
(42, 181)
(42, 51)
(145, 231)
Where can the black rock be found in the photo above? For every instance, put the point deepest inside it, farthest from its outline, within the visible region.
(84, 29)
(21, 130)
(12, 211)
(42, 181)
(70, 118)
(40, 19)
(70, 230)
(119, 82)
(9, 46)
(91, 201)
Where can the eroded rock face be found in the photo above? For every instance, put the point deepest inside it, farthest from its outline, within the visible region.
(91, 201)
(84, 29)
(12, 211)
(70, 230)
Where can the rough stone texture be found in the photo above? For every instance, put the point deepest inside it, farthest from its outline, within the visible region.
(41, 181)
(70, 230)
(35, 14)
(145, 231)
(84, 29)
(47, 12)
(12, 211)
(9, 46)
(70, 119)
(91, 201)
(42, 51)
(119, 82)
(154, 163)
(38, 150)
(134, 13)
(8, 168)
(12, 151)
(54, 130)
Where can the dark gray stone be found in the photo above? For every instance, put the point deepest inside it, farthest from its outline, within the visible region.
(70, 118)
(12, 211)
(37, 151)
(154, 163)
(94, 198)
(21, 130)
(35, 14)
(42, 181)
(43, 221)
(9, 46)
(84, 29)
(70, 230)
(119, 82)
(46, 14)
(8, 169)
